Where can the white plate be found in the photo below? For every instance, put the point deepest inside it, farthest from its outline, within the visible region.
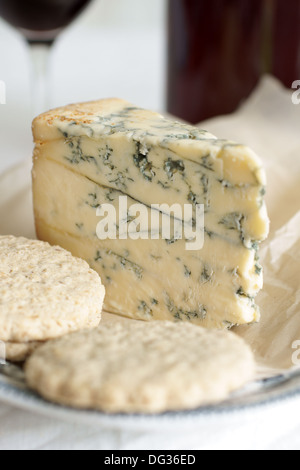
(16, 218)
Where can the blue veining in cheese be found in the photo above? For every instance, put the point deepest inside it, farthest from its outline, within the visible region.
(94, 153)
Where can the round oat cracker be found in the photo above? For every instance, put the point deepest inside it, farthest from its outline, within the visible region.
(45, 292)
(141, 367)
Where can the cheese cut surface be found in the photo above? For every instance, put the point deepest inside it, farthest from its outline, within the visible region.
(91, 154)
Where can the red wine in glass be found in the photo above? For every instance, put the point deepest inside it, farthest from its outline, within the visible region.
(40, 22)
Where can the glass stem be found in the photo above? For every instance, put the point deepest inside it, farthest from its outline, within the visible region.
(40, 89)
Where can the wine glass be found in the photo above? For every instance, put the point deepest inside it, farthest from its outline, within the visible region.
(40, 22)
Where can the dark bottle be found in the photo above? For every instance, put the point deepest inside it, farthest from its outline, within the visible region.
(39, 16)
(219, 49)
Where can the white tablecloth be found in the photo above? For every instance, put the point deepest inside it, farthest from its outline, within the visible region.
(271, 428)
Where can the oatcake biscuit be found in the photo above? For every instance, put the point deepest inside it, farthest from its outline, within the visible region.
(19, 352)
(45, 292)
(140, 367)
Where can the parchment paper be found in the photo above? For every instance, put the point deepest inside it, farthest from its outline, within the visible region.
(269, 123)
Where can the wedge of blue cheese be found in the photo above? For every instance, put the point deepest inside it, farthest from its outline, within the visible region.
(91, 154)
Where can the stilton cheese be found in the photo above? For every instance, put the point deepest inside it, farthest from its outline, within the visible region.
(92, 154)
